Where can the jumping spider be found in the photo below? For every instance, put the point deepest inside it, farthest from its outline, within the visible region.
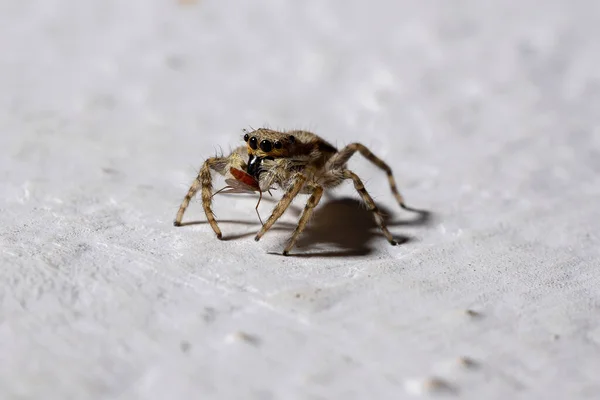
(297, 162)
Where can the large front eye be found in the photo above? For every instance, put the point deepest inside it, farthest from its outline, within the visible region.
(265, 146)
(253, 142)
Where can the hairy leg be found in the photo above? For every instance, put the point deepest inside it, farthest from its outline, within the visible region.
(342, 157)
(204, 181)
(306, 214)
(297, 183)
(360, 188)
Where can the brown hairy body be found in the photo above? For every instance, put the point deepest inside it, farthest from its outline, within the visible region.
(295, 161)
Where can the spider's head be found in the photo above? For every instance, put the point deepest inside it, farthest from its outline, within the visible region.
(263, 143)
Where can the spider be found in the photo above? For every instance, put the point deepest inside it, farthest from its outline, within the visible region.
(297, 162)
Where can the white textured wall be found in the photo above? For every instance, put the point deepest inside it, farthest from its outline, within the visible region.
(488, 113)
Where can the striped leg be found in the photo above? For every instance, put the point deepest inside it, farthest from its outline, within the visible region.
(204, 181)
(340, 160)
(306, 214)
(360, 188)
(297, 183)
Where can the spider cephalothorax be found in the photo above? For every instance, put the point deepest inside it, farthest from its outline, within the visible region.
(297, 162)
(264, 146)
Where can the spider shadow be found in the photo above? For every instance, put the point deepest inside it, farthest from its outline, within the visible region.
(342, 223)
(346, 224)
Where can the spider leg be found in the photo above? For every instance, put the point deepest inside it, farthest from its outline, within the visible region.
(306, 214)
(342, 157)
(297, 183)
(204, 181)
(360, 188)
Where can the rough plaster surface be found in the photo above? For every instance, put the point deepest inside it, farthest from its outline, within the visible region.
(487, 112)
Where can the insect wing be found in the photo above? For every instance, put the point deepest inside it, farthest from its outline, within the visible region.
(234, 186)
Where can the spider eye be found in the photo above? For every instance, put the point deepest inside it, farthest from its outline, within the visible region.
(292, 139)
(277, 144)
(265, 146)
(246, 136)
(253, 142)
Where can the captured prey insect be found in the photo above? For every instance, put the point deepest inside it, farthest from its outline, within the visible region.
(297, 162)
(242, 182)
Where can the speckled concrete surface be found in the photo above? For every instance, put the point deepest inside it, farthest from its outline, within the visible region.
(488, 113)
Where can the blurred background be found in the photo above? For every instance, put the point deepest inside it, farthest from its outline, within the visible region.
(486, 111)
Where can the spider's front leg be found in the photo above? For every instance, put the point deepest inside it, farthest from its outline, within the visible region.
(294, 188)
(204, 181)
